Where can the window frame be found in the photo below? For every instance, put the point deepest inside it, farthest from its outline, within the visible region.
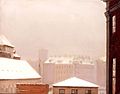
(61, 90)
(88, 91)
(75, 91)
(113, 23)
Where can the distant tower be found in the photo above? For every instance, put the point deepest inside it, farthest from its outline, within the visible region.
(43, 55)
(7, 49)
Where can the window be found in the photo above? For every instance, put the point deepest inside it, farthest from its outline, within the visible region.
(114, 24)
(114, 67)
(114, 75)
(74, 91)
(88, 92)
(61, 91)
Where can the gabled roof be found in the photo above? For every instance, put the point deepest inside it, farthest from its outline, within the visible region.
(16, 69)
(4, 41)
(75, 82)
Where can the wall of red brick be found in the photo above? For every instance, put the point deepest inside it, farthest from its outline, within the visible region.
(113, 2)
(113, 46)
(32, 88)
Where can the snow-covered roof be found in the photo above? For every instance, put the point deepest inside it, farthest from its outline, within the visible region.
(59, 60)
(4, 41)
(68, 60)
(16, 55)
(16, 69)
(75, 82)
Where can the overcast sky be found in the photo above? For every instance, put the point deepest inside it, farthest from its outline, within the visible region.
(61, 26)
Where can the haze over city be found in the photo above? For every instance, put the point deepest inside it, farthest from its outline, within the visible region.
(61, 26)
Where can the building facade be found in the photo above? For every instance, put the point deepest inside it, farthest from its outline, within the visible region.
(32, 88)
(9, 86)
(101, 74)
(64, 67)
(113, 46)
(74, 90)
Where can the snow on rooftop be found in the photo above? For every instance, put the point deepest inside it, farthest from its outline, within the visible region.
(103, 59)
(16, 69)
(68, 60)
(59, 60)
(75, 82)
(16, 55)
(4, 41)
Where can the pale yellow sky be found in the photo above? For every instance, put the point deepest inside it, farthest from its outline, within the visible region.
(61, 26)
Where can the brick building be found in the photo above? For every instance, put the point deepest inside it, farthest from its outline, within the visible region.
(113, 46)
(32, 88)
(75, 86)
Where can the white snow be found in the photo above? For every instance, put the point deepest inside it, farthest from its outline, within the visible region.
(16, 69)
(75, 82)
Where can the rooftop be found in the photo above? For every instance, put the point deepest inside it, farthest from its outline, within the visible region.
(75, 82)
(69, 60)
(16, 69)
